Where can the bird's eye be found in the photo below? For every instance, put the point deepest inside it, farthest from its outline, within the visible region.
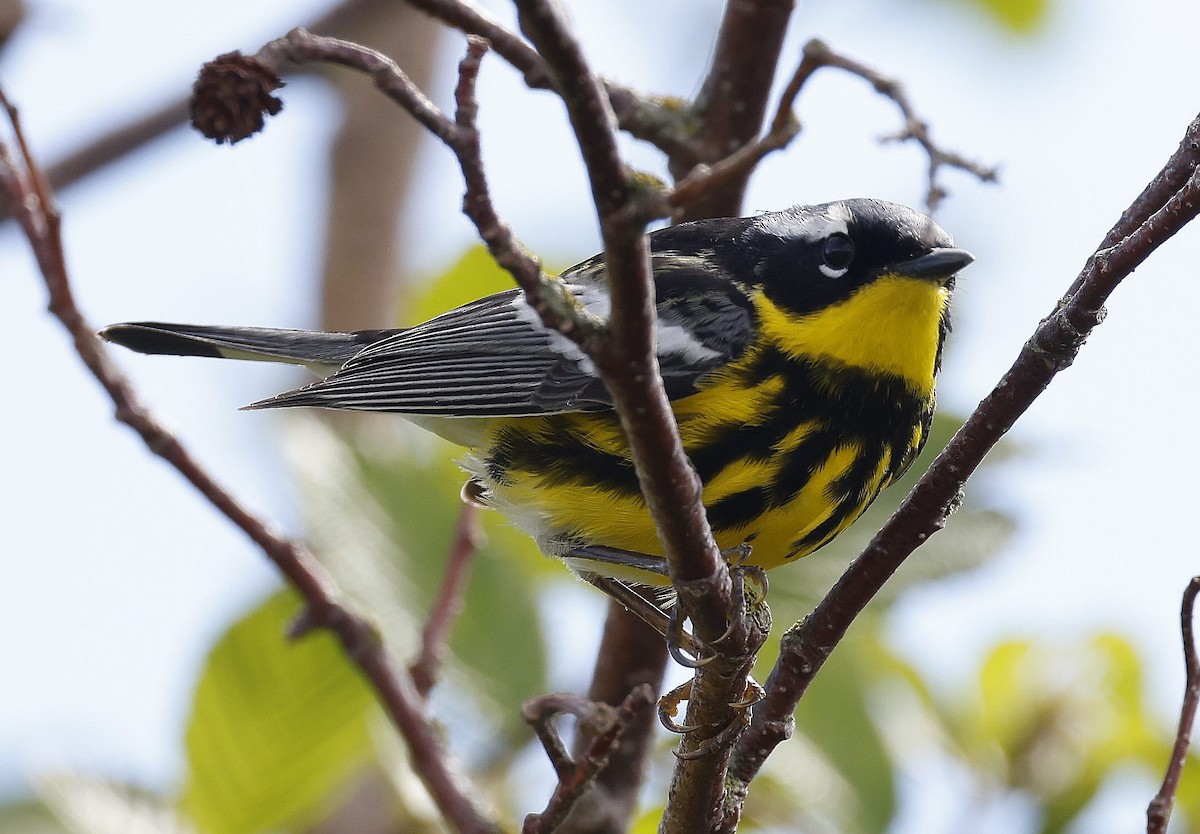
(836, 254)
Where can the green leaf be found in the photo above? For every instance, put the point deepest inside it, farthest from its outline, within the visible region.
(472, 276)
(835, 717)
(30, 817)
(1055, 720)
(497, 634)
(382, 507)
(276, 726)
(837, 770)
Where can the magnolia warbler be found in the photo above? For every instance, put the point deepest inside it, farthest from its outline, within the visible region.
(799, 349)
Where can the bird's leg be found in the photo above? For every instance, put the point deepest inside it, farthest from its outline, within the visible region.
(683, 647)
(739, 719)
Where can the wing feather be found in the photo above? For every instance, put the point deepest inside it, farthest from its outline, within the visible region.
(493, 357)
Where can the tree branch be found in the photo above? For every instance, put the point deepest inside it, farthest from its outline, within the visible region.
(629, 367)
(603, 726)
(625, 354)
(1159, 812)
(1052, 347)
(733, 99)
(640, 111)
(472, 20)
(27, 190)
(818, 54)
(630, 654)
(144, 128)
(449, 602)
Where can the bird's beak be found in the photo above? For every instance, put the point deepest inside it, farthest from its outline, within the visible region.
(937, 265)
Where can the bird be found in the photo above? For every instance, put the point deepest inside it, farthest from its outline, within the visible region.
(799, 350)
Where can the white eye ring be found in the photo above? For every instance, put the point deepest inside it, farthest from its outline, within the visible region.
(837, 252)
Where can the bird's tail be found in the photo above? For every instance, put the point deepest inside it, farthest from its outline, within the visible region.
(322, 352)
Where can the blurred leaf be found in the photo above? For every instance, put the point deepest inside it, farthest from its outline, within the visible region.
(350, 532)
(837, 767)
(30, 817)
(276, 726)
(472, 276)
(497, 634)
(1019, 16)
(647, 821)
(834, 716)
(91, 805)
(801, 789)
(1054, 721)
(382, 508)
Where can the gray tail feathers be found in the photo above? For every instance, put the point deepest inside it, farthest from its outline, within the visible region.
(327, 351)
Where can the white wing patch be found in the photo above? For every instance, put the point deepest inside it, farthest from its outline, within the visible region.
(673, 339)
(559, 343)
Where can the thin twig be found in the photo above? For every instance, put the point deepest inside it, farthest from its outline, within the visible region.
(702, 179)
(655, 119)
(555, 304)
(472, 20)
(299, 46)
(1158, 814)
(630, 654)
(540, 713)
(818, 54)
(27, 190)
(602, 723)
(142, 129)
(1053, 346)
(449, 602)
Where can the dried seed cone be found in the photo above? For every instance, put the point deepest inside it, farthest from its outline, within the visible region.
(232, 96)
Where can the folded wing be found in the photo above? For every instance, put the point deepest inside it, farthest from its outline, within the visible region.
(493, 357)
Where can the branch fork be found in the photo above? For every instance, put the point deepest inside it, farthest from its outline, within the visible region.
(604, 725)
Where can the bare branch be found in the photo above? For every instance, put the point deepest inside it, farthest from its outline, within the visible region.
(142, 129)
(626, 357)
(602, 724)
(702, 180)
(818, 54)
(449, 602)
(555, 305)
(1052, 348)
(630, 654)
(26, 189)
(1159, 812)
(729, 109)
(300, 46)
(472, 20)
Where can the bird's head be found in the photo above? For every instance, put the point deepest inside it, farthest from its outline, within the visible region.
(861, 282)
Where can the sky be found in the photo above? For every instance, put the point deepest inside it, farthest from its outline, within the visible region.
(118, 578)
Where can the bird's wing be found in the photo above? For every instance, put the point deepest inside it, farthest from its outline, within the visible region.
(493, 357)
